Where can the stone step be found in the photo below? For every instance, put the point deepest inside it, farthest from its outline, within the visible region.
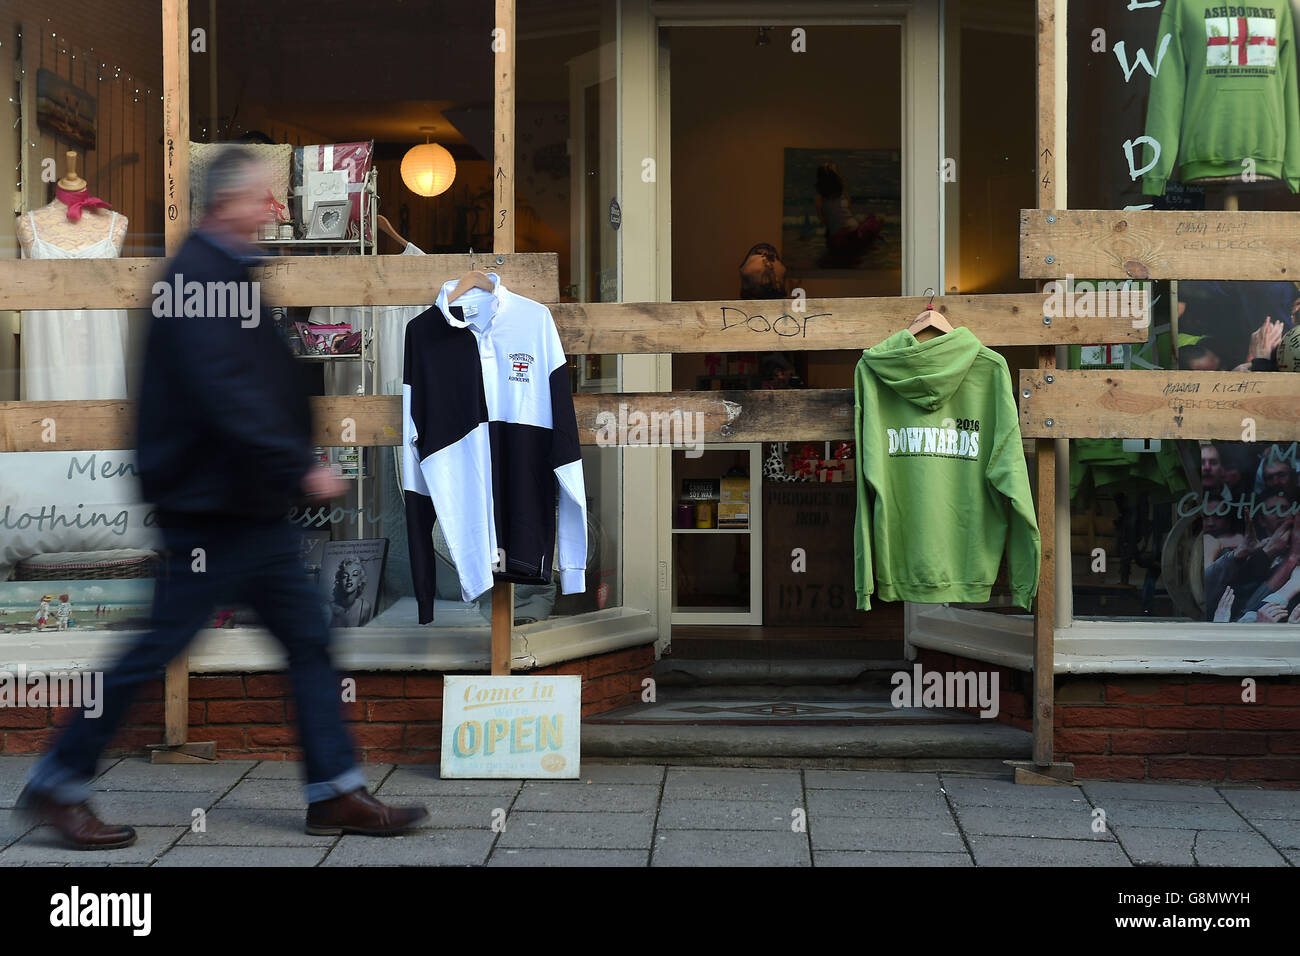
(984, 744)
(856, 676)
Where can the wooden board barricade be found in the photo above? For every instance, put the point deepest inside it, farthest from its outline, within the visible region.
(1227, 406)
(1157, 244)
(283, 280)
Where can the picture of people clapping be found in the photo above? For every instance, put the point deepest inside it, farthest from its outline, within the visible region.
(1252, 540)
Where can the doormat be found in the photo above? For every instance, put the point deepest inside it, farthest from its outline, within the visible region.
(782, 711)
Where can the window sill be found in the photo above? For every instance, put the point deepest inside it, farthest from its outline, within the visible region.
(413, 648)
(1111, 647)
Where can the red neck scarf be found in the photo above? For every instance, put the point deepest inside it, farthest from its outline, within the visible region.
(76, 201)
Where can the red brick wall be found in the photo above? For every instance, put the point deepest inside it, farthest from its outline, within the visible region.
(397, 717)
(1180, 728)
(1165, 727)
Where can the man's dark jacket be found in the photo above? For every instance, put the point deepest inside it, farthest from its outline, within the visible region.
(224, 426)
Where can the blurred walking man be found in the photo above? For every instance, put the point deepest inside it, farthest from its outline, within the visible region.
(223, 452)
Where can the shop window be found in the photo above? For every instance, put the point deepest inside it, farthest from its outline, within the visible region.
(1181, 106)
(81, 137)
(338, 107)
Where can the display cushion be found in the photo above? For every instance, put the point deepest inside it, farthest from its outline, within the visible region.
(54, 502)
(276, 156)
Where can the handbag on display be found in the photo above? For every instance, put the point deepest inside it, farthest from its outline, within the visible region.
(328, 339)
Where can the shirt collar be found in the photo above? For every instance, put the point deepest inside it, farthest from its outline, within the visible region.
(479, 322)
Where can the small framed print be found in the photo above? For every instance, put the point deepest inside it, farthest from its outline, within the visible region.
(329, 220)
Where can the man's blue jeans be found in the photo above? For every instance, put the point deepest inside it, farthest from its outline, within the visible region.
(206, 564)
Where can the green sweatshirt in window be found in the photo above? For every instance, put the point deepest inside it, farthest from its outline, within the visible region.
(942, 476)
(1224, 92)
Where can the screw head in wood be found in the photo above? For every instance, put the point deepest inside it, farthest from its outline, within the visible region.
(1048, 423)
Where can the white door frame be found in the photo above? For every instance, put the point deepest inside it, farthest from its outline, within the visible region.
(645, 239)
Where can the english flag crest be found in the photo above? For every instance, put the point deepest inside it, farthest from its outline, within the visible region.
(1240, 41)
(520, 362)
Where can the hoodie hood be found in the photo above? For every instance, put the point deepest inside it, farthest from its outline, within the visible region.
(927, 373)
(465, 299)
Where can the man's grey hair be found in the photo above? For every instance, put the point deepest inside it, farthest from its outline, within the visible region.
(230, 170)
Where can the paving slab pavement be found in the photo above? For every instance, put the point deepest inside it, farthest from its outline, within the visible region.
(245, 813)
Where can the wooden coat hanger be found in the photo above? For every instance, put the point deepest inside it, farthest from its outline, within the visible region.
(473, 279)
(929, 321)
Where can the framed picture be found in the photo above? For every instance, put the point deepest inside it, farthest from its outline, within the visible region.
(841, 212)
(329, 220)
(64, 110)
(350, 573)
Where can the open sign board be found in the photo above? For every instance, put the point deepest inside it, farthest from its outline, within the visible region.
(517, 726)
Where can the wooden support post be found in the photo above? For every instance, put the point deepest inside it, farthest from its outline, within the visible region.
(176, 123)
(176, 223)
(503, 242)
(1051, 194)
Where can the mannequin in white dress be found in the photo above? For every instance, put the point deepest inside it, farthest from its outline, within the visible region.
(73, 354)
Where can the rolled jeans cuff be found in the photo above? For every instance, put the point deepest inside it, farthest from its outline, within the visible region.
(58, 783)
(345, 782)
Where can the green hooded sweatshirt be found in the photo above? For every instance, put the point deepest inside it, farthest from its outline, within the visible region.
(942, 474)
(1224, 91)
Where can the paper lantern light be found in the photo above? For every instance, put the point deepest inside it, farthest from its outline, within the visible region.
(428, 169)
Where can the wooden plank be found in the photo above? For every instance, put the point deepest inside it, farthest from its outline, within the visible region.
(1045, 602)
(628, 328)
(1081, 404)
(503, 128)
(603, 419)
(821, 324)
(1155, 244)
(1099, 403)
(284, 280)
(176, 132)
(722, 416)
(503, 241)
(1050, 165)
(176, 224)
(176, 700)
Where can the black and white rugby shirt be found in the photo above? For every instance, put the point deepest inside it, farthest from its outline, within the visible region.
(489, 437)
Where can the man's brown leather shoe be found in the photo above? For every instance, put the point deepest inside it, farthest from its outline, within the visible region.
(75, 822)
(359, 812)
